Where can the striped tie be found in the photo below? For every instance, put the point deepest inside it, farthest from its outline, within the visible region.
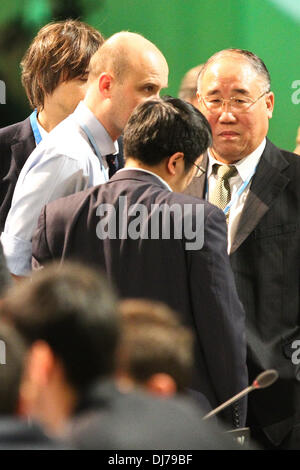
(221, 194)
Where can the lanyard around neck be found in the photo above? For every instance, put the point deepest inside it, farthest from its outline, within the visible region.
(96, 149)
(34, 127)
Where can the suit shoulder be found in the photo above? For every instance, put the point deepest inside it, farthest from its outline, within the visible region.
(187, 199)
(292, 169)
(292, 158)
(9, 132)
(68, 205)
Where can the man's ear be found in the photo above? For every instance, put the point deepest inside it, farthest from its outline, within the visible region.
(105, 83)
(173, 162)
(270, 103)
(199, 101)
(161, 384)
(41, 362)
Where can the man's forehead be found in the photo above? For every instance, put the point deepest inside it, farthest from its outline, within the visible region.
(153, 60)
(151, 67)
(229, 64)
(231, 70)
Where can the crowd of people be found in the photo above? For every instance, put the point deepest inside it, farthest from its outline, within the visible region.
(149, 251)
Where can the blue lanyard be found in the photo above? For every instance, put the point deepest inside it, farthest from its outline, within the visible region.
(97, 151)
(238, 193)
(34, 127)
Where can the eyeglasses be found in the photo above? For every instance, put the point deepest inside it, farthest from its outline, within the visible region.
(199, 171)
(239, 105)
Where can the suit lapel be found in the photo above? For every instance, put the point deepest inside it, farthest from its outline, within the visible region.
(24, 133)
(268, 182)
(23, 144)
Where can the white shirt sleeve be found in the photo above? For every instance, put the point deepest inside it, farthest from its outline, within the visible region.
(46, 181)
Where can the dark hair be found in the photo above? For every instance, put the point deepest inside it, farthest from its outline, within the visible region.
(73, 309)
(257, 64)
(159, 128)
(154, 341)
(12, 356)
(60, 51)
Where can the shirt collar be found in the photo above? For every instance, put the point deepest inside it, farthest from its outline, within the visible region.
(244, 166)
(150, 173)
(85, 117)
(42, 131)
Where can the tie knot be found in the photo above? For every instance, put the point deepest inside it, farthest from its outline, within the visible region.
(111, 158)
(225, 171)
(112, 164)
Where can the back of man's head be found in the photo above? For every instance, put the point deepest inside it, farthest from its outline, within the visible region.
(154, 344)
(73, 310)
(158, 129)
(188, 86)
(12, 357)
(60, 52)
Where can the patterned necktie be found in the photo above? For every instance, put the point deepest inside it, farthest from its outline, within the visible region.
(112, 162)
(221, 194)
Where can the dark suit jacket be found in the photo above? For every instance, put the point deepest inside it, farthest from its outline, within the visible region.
(197, 283)
(265, 258)
(18, 434)
(16, 144)
(110, 420)
(5, 278)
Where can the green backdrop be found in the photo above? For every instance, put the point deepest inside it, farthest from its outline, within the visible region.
(187, 32)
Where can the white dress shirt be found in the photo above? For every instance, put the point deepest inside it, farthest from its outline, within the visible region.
(245, 168)
(42, 131)
(63, 163)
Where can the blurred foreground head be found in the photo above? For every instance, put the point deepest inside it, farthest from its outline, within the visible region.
(67, 316)
(156, 350)
(12, 359)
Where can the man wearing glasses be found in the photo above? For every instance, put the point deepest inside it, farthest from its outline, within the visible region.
(257, 186)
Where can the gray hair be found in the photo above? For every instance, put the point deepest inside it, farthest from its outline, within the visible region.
(256, 63)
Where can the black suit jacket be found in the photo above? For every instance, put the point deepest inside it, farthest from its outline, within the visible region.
(197, 283)
(16, 144)
(265, 258)
(111, 420)
(18, 434)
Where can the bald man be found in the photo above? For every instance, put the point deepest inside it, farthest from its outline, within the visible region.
(127, 70)
(188, 86)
